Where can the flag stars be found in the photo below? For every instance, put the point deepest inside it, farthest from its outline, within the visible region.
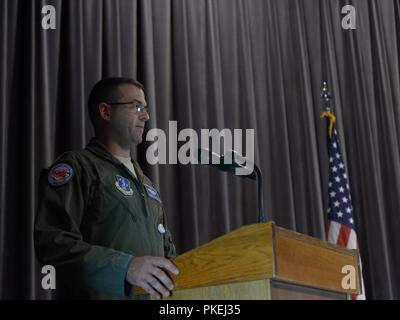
(340, 209)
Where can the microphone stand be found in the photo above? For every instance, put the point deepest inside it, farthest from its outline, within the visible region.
(261, 215)
(256, 175)
(230, 167)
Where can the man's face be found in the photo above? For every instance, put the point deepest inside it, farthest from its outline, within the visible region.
(127, 124)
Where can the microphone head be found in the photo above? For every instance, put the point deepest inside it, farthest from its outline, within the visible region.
(243, 167)
(231, 162)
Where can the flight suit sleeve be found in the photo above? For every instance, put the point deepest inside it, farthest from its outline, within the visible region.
(63, 200)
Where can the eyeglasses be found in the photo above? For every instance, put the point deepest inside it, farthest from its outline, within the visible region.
(136, 105)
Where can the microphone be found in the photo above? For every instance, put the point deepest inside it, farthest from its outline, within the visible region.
(225, 163)
(233, 163)
(236, 161)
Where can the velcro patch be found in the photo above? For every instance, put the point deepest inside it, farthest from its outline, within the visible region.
(123, 185)
(152, 193)
(60, 174)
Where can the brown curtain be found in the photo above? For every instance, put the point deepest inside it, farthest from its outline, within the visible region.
(246, 64)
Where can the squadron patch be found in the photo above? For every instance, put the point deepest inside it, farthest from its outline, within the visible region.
(123, 185)
(60, 174)
(152, 193)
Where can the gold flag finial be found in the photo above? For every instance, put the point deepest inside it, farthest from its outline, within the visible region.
(331, 118)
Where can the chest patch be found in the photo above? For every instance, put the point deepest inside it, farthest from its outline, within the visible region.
(123, 185)
(152, 193)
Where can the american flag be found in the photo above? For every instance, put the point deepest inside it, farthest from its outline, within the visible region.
(340, 225)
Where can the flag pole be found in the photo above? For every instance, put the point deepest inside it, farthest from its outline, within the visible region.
(340, 209)
(328, 114)
(326, 96)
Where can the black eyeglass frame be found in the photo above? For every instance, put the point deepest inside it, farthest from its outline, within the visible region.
(136, 105)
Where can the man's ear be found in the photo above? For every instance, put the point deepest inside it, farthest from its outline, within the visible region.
(104, 111)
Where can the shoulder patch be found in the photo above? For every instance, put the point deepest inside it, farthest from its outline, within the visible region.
(60, 174)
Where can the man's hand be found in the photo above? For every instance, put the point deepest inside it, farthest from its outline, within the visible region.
(148, 273)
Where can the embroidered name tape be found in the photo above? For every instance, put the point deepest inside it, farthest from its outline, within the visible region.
(60, 174)
(123, 185)
(152, 193)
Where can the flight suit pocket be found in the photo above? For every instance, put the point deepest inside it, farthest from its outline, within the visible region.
(110, 203)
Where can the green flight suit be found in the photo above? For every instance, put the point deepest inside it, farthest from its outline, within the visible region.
(93, 217)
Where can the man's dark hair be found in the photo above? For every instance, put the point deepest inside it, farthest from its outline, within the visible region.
(107, 90)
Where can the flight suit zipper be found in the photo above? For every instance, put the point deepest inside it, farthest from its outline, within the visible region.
(140, 188)
(148, 216)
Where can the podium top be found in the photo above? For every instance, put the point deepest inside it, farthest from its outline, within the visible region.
(265, 251)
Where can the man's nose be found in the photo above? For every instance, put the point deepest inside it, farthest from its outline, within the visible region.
(144, 116)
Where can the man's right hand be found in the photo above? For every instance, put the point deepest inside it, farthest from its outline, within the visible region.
(148, 273)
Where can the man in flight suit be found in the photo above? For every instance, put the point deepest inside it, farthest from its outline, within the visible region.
(100, 222)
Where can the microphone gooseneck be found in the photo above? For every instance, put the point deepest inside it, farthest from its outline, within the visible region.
(227, 163)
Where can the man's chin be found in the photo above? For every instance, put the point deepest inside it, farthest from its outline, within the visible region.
(137, 140)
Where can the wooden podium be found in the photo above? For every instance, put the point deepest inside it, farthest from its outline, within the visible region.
(264, 262)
